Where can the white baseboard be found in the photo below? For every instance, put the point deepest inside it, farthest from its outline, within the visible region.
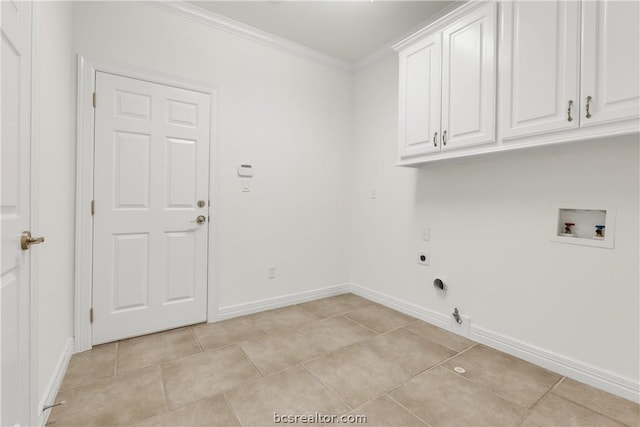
(231, 311)
(563, 365)
(50, 392)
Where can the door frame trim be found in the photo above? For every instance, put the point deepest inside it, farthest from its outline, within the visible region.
(87, 68)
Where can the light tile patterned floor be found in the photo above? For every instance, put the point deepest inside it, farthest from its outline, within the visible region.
(335, 356)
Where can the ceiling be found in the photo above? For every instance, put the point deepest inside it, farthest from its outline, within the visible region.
(349, 30)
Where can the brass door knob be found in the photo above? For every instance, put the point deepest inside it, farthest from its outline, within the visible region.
(26, 240)
(201, 219)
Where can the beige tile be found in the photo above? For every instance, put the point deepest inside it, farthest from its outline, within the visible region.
(90, 366)
(115, 401)
(212, 411)
(148, 350)
(333, 306)
(356, 374)
(514, 379)
(353, 302)
(379, 318)
(411, 351)
(619, 409)
(557, 411)
(279, 351)
(336, 332)
(384, 412)
(289, 392)
(232, 331)
(441, 336)
(205, 374)
(442, 398)
(283, 318)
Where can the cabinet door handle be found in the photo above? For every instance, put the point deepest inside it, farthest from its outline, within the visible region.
(435, 139)
(444, 137)
(588, 106)
(569, 118)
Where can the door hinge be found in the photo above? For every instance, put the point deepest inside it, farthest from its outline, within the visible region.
(93, 207)
(91, 315)
(94, 99)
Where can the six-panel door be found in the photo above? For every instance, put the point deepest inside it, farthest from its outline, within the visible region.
(17, 406)
(539, 67)
(151, 169)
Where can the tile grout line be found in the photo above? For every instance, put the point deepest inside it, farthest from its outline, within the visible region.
(406, 409)
(164, 390)
(195, 337)
(230, 406)
(530, 410)
(553, 387)
(115, 366)
(249, 360)
(326, 387)
(580, 404)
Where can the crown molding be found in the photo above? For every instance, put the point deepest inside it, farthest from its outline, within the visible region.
(389, 47)
(223, 23)
(439, 21)
(220, 22)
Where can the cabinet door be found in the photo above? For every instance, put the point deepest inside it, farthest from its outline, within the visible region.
(539, 67)
(420, 95)
(610, 61)
(469, 79)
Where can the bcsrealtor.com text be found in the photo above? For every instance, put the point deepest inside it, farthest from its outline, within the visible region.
(318, 418)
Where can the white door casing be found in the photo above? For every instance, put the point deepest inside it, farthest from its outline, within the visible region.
(16, 407)
(420, 97)
(151, 169)
(539, 67)
(469, 79)
(610, 61)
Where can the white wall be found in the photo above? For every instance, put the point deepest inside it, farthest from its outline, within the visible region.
(490, 220)
(55, 113)
(289, 117)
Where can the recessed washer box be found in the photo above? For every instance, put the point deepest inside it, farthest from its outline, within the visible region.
(578, 224)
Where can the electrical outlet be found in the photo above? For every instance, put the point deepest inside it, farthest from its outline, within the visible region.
(426, 234)
(271, 272)
(424, 258)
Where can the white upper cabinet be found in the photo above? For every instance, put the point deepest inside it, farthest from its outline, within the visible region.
(420, 89)
(539, 67)
(560, 70)
(447, 82)
(610, 61)
(469, 79)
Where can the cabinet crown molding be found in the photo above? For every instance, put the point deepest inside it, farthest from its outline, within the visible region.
(440, 23)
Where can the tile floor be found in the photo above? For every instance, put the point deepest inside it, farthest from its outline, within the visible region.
(335, 356)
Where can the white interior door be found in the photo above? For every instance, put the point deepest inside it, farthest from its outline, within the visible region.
(420, 97)
(539, 67)
(15, 214)
(469, 79)
(151, 170)
(610, 61)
